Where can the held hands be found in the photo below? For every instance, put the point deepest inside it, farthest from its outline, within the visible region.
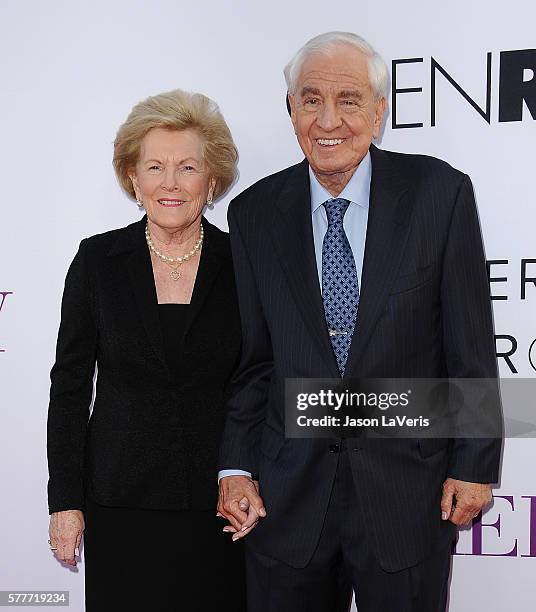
(462, 501)
(241, 504)
(65, 533)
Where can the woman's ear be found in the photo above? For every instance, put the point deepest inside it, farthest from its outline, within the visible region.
(211, 189)
(132, 176)
(210, 193)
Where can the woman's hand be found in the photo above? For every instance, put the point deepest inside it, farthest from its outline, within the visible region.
(241, 504)
(65, 532)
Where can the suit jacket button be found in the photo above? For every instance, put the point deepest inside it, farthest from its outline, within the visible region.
(334, 448)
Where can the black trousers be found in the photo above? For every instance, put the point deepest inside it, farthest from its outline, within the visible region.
(344, 561)
(161, 560)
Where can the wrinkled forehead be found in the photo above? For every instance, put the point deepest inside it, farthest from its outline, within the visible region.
(342, 67)
(171, 143)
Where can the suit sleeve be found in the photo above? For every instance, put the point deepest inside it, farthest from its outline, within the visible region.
(250, 385)
(71, 390)
(468, 336)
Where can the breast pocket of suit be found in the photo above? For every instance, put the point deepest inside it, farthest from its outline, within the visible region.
(431, 446)
(413, 280)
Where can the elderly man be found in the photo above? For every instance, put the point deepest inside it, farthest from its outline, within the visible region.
(323, 516)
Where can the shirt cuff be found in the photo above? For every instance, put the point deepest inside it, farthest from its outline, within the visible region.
(224, 473)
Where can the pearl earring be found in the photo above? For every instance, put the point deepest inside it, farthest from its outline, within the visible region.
(210, 204)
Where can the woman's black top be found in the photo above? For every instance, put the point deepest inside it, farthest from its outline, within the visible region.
(172, 325)
(162, 378)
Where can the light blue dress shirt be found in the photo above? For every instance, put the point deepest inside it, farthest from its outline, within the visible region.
(357, 192)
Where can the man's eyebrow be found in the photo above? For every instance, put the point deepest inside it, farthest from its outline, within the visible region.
(308, 90)
(349, 93)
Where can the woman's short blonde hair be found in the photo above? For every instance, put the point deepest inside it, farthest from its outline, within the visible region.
(178, 110)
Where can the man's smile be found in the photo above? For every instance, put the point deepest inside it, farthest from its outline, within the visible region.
(329, 142)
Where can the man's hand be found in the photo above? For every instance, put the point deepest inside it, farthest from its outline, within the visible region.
(462, 501)
(241, 504)
(65, 533)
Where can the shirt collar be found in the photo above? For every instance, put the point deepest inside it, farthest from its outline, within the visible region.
(357, 190)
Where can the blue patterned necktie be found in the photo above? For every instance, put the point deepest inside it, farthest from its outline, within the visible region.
(340, 286)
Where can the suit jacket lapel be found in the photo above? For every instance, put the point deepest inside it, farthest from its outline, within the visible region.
(387, 231)
(294, 245)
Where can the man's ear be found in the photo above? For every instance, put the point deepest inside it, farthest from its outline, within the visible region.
(291, 108)
(381, 107)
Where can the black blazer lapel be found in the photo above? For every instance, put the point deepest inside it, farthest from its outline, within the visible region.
(214, 251)
(387, 231)
(293, 239)
(138, 267)
(140, 272)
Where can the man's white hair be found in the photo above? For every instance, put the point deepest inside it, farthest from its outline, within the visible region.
(324, 43)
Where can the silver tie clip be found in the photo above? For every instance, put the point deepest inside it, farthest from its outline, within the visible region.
(334, 332)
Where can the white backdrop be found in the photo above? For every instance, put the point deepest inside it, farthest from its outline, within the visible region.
(71, 71)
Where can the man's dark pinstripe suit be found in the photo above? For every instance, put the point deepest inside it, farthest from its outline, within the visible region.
(424, 312)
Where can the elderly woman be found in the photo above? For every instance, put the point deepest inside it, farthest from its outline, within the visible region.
(153, 306)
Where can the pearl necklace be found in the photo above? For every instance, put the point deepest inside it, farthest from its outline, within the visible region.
(174, 262)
